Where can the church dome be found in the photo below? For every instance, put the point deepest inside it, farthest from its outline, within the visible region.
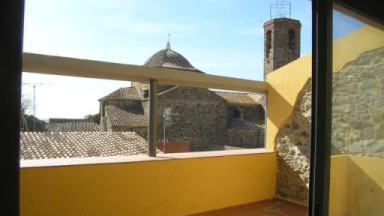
(168, 58)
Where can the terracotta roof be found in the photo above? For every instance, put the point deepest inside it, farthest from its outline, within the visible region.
(128, 93)
(169, 59)
(72, 126)
(119, 117)
(49, 145)
(236, 98)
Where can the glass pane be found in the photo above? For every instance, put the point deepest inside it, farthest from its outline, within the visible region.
(66, 116)
(357, 161)
(209, 119)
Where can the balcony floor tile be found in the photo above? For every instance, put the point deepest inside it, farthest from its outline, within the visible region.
(275, 207)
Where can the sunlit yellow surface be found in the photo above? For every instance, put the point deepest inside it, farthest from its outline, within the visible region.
(284, 84)
(357, 186)
(159, 187)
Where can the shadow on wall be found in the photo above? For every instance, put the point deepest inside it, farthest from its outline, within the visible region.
(365, 196)
(293, 149)
(276, 105)
(289, 185)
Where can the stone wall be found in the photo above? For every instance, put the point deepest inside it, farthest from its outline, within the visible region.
(357, 123)
(358, 106)
(201, 117)
(293, 150)
(246, 138)
(198, 115)
(281, 47)
(253, 113)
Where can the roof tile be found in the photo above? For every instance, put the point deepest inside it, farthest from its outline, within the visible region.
(119, 117)
(49, 145)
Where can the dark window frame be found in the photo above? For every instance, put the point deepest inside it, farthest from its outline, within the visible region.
(322, 92)
(11, 24)
(11, 39)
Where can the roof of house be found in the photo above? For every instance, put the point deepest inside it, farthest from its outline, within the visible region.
(119, 117)
(128, 93)
(169, 59)
(236, 97)
(72, 126)
(50, 145)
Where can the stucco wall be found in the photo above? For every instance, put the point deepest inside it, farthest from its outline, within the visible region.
(356, 186)
(285, 86)
(159, 187)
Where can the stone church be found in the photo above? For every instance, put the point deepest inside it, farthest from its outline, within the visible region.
(204, 118)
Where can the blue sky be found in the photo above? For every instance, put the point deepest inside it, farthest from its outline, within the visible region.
(219, 37)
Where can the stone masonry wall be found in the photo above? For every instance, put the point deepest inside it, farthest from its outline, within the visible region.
(198, 115)
(358, 106)
(203, 123)
(281, 50)
(246, 138)
(293, 150)
(357, 123)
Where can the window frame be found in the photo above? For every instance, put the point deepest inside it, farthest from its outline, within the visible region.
(11, 22)
(322, 92)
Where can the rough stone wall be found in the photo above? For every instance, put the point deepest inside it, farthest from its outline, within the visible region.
(357, 123)
(280, 50)
(201, 117)
(198, 116)
(293, 150)
(252, 113)
(246, 138)
(358, 106)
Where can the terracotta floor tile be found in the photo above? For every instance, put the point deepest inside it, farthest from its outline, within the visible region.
(265, 208)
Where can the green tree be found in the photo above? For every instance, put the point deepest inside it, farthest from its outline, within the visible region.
(29, 122)
(93, 118)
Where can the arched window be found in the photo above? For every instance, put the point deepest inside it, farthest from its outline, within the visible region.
(268, 43)
(292, 39)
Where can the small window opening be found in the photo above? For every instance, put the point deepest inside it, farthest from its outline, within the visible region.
(292, 39)
(268, 43)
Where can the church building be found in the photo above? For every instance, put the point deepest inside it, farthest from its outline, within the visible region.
(205, 119)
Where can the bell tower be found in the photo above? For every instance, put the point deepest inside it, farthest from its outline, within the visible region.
(281, 37)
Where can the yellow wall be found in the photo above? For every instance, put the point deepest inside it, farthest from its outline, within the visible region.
(352, 178)
(284, 84)
(349, 47)
(163, 187)
(338, 185)
(357, 183)
(357, 186)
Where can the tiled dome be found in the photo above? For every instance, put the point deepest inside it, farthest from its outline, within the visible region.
(169, 59)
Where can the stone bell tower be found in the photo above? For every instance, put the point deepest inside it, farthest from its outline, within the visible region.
(281, 37)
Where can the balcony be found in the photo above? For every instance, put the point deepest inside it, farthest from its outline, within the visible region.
(168, 184)
(235, 182)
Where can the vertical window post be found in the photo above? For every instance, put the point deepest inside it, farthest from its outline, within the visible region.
(152, 127)
(11, 39)
(321, 107)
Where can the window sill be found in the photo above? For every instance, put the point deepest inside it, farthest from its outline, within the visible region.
(136, 158)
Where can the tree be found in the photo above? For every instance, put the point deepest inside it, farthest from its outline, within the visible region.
(29, 122)
(93, 118)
